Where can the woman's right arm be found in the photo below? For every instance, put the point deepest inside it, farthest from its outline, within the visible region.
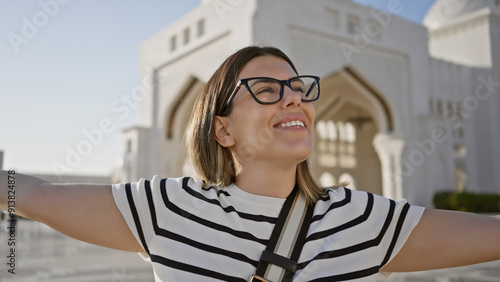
(86, 212)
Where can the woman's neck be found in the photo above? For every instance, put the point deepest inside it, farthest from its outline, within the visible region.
(267, 179)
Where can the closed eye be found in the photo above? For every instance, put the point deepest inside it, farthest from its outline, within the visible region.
(265, 86)
(299, 89)
(264, 90)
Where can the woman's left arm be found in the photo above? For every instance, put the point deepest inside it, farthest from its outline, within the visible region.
(448, 239)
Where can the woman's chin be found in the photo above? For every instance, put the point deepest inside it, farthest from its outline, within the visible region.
(297, 154)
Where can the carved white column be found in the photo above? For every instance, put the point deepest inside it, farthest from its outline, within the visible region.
(397, 149)
(389, 150)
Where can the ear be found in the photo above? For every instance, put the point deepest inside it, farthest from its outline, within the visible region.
(222, 135)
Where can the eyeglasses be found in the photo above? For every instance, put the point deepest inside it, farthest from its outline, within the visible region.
(267, 90)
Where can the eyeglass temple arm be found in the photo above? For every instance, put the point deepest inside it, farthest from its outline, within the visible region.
(311, 88)
(287, 83)
(236, 89)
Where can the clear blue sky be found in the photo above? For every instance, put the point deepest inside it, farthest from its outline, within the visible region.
(61, 79)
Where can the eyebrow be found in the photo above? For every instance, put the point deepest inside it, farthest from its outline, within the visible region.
(263, 79)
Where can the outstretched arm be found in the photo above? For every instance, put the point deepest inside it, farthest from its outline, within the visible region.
(448, 239)
(86, 212)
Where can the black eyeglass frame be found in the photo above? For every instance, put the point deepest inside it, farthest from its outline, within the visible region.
(286, 82)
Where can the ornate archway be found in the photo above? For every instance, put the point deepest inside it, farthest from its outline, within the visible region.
(177, 116)
(351, 120)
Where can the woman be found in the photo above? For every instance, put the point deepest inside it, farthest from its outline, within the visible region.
(251, 133)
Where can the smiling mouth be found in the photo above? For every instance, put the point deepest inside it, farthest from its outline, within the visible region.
(294, 123)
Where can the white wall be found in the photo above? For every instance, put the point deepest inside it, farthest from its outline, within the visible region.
(319, 38)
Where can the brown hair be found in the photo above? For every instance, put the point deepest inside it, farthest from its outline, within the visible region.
(213, 162)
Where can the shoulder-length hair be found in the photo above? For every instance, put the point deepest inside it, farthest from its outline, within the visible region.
(213, 162)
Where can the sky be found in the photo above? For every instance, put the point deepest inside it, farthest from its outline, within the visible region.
(64, 63)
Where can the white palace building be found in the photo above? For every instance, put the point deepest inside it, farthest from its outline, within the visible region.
(405, 110)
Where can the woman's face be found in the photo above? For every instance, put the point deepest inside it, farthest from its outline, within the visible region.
(266, 132)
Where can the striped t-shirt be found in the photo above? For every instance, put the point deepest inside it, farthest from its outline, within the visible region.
(192, 231)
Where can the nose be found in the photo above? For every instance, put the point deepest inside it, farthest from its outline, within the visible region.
(291, 98)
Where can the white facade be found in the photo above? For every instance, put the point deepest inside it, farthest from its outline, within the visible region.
(404, 111)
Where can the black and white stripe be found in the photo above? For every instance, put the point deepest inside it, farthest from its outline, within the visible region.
(195, 232)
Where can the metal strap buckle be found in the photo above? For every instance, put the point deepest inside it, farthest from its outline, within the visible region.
(256, 278)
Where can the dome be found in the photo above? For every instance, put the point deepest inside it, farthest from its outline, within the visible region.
(444, 11)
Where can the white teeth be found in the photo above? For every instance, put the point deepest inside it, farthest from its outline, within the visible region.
(295, 123)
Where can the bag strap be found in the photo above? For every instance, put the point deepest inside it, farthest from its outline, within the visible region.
(278, 261)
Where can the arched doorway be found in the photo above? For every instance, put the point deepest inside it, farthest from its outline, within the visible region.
(177, 116)
(349, 116)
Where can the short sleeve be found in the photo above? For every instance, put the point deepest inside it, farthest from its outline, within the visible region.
(138, 204)
(396, 220)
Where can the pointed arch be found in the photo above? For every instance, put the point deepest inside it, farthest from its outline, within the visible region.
(365, 97)
(352, 108)
(179, 112)
(352, 74)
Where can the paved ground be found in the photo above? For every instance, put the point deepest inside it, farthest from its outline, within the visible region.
(45, 255)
